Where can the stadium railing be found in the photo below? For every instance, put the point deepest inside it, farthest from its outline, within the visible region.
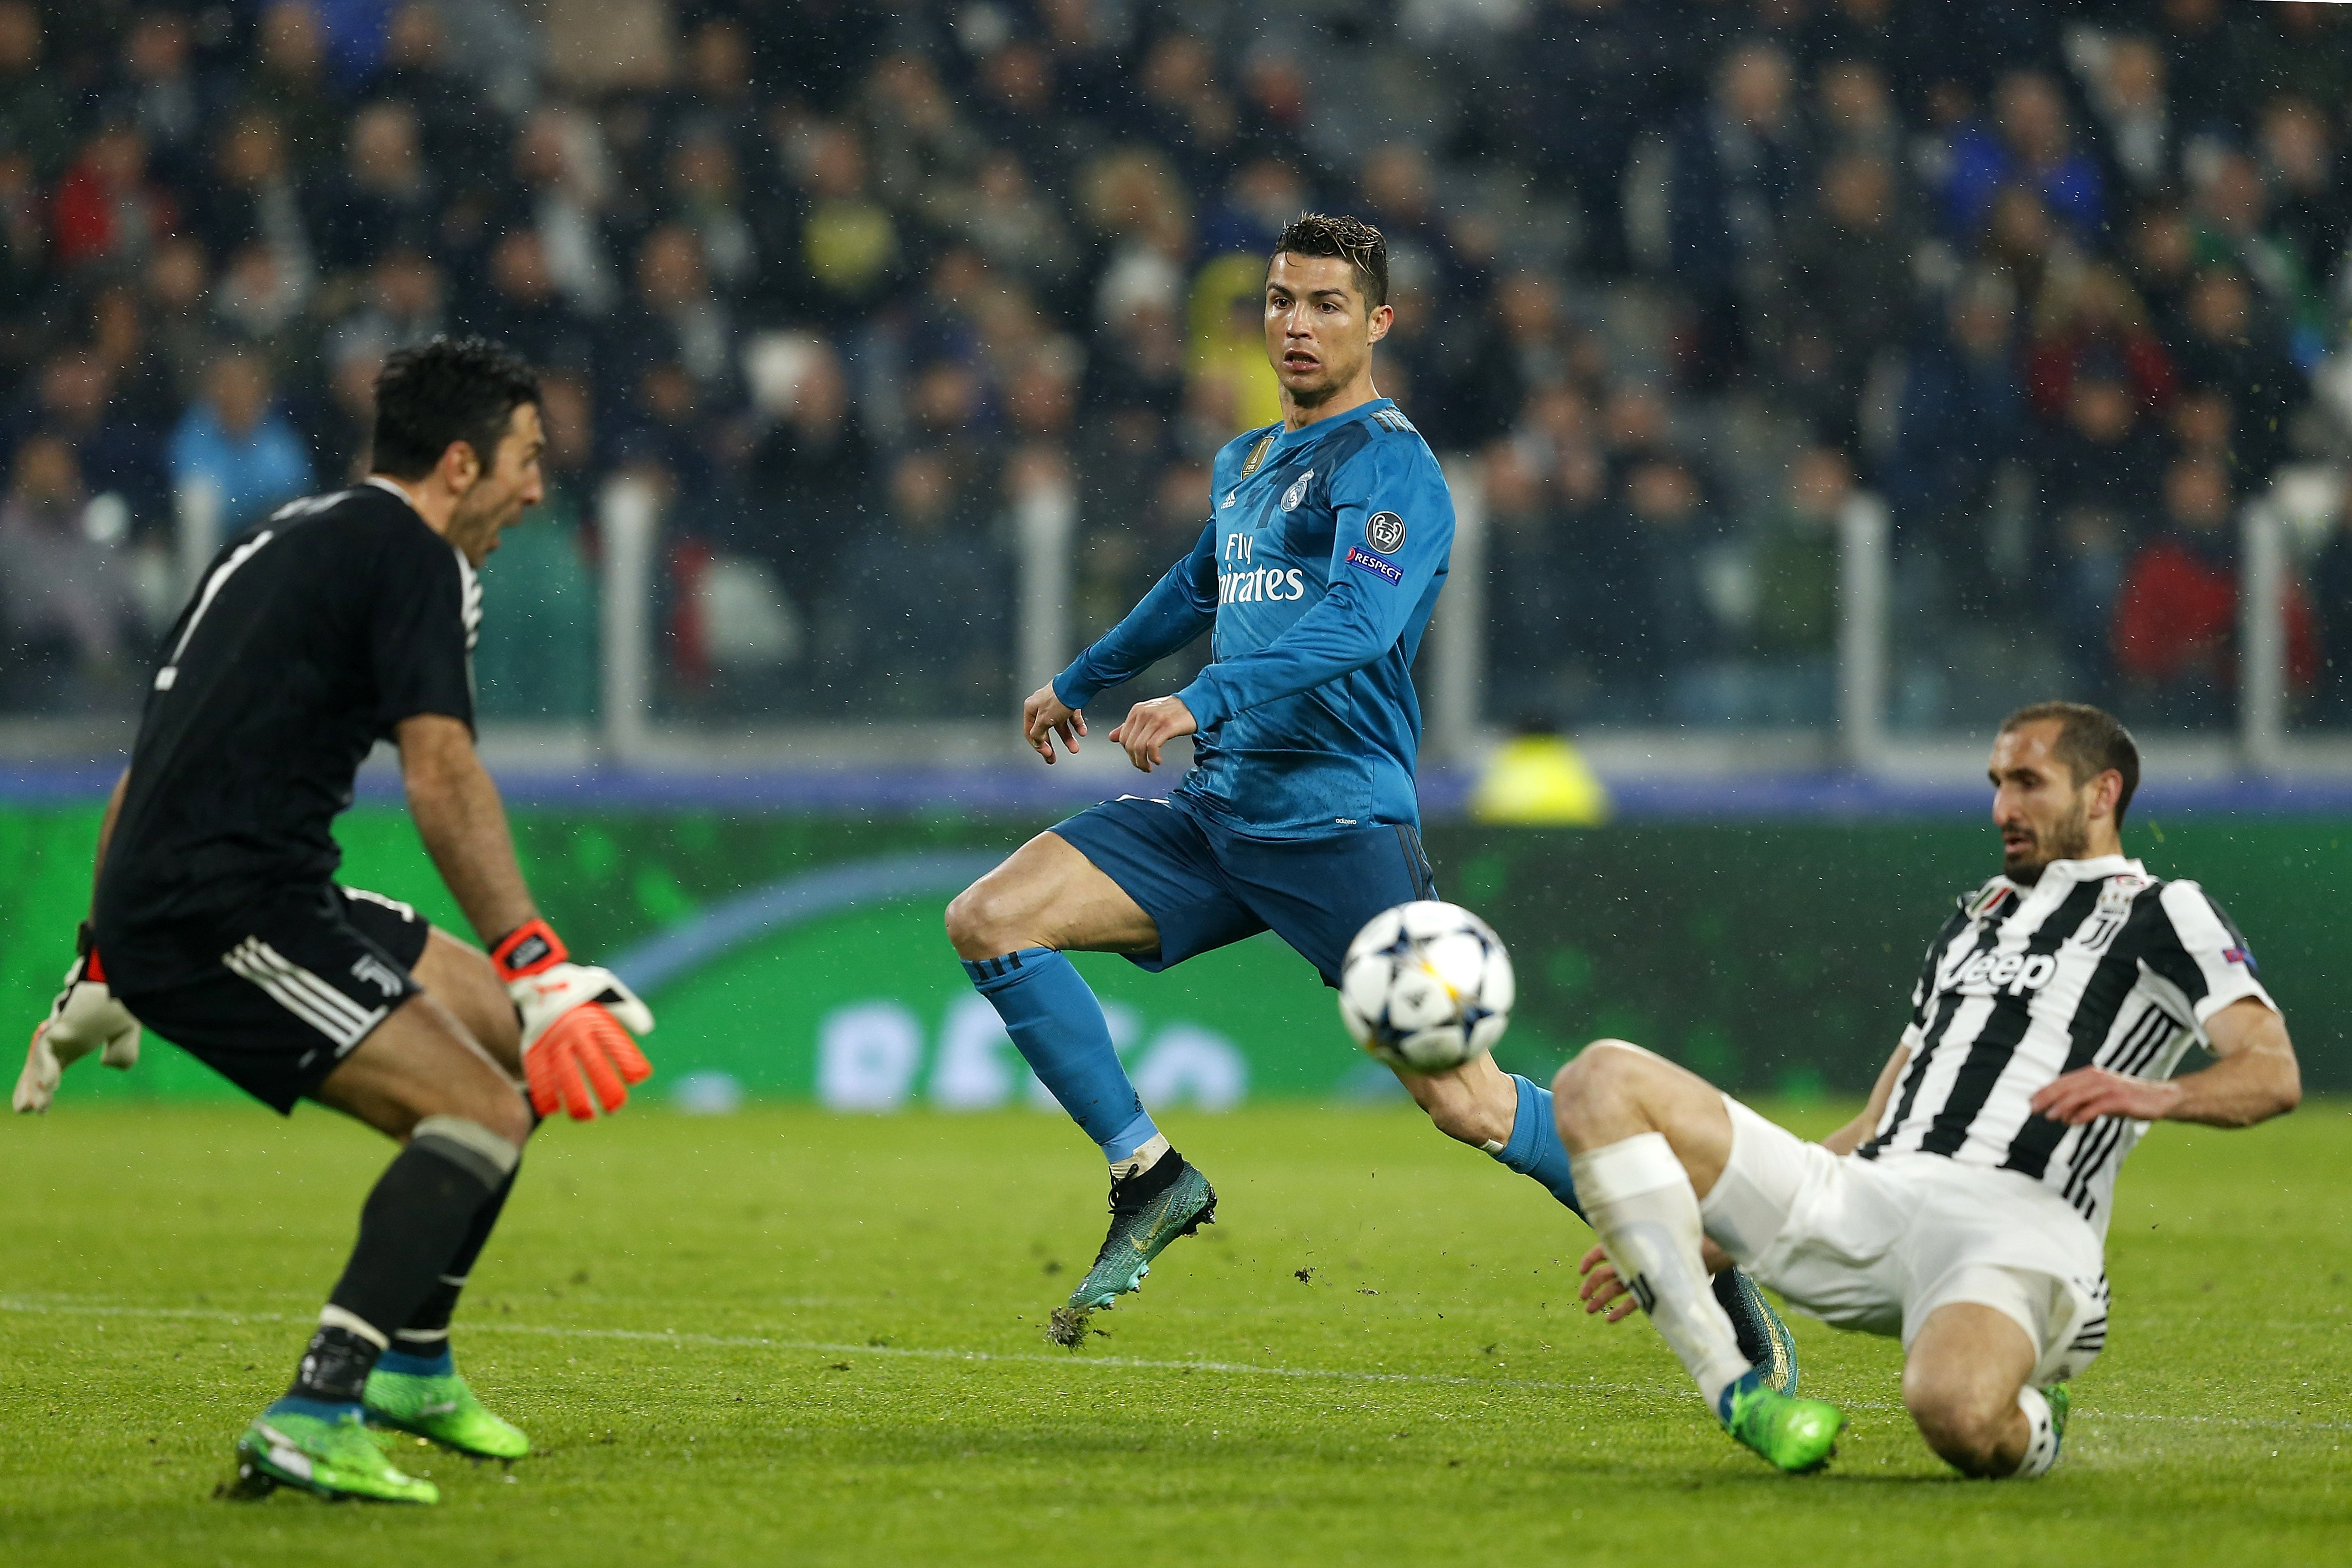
(2277, 731)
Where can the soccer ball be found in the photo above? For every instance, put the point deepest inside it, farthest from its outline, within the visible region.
(1426, 987)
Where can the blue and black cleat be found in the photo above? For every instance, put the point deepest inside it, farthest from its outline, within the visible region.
(1148, 1211)
(1764, 1339)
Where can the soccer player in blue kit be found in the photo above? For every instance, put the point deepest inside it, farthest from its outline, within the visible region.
(1322, 559)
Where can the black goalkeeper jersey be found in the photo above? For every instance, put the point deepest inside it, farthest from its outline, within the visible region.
(308, 638)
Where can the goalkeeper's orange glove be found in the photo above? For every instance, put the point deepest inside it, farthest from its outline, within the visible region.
(577, 1023)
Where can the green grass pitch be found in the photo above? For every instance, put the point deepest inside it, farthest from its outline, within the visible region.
(784, 1336)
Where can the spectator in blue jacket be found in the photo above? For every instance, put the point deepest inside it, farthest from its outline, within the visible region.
(236, 438)
(2029, 145)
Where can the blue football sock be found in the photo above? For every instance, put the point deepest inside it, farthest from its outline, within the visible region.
(1058, 1024)
(1535, 1149)
(440, 1363)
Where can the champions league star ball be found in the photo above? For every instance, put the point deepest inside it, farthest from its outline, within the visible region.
(1426, 987)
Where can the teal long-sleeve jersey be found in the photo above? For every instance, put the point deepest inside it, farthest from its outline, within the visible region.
(1318, 568)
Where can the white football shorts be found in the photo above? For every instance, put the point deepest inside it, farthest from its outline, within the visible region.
(1877, 1245)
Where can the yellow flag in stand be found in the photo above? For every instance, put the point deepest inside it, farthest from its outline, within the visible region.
(1539, 778)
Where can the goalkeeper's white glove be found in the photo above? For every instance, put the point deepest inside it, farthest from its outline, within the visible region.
(573, 1017)
(84, 1018)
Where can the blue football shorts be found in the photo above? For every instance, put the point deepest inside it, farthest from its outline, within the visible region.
(1206, 886)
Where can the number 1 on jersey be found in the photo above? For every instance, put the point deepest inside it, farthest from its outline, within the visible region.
(170, 673)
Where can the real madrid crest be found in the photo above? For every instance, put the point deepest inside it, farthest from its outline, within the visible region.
(1298, 491)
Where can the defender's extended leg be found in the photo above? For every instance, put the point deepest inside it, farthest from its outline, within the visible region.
(1648, 1139)
(1512, 1120)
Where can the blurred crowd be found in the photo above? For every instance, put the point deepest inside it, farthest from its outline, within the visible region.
(859, 292)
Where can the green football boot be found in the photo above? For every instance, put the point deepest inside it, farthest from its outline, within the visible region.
(1764, 1339)
(1146, 1212)
(323, 1449)
(1793, 1435)
(437, 1404)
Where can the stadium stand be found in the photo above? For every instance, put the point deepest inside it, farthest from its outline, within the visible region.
(848, 286)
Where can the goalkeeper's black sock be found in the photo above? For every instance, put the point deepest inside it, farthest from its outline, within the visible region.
(427, 1332)
(420, 1212)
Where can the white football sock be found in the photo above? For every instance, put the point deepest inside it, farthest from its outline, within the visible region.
(2041, 1438)
(1142, 1160)
(1639, 1200)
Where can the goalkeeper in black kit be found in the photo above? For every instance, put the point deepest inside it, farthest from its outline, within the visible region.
(345, 620)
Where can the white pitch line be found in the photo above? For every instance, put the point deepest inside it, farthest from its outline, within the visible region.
(826, 1347)
(1071, 1360)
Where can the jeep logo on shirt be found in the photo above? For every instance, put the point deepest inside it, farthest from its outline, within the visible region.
(1384, 531)
(2016, 972)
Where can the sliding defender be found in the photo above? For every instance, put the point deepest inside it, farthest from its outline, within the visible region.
(1966, 1208)
(345, 620)
(1325, 549)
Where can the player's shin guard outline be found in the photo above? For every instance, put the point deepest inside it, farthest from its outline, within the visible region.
(1639, 1202)
(1058, 1027)
(411, 1227)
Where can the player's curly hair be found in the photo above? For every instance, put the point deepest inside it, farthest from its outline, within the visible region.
(451, 389)
(2090, 742)
(1363, 248)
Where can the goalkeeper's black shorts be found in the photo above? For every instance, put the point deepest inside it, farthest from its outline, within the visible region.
(274, 995)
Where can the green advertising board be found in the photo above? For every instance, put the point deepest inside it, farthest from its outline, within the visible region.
(801, 956)
(868, 1011)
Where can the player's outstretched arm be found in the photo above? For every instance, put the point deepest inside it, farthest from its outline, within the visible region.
(2256, 1077)
(577, 1020)
(85, 1017)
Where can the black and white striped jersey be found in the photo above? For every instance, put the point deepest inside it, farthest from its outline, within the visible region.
(2097, 964)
